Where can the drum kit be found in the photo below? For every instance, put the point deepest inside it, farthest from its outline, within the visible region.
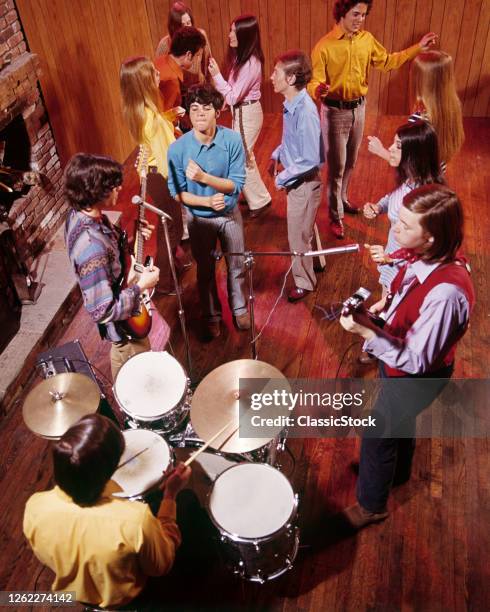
(249, 500)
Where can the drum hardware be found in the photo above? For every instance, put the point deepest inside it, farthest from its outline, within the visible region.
(216, 401)
(164, 218)
(58, 402)
(211, 440)
(152, 391)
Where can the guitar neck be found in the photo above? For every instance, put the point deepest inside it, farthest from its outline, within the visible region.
(139, 241)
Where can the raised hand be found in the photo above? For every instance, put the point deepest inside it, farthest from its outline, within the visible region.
(428, 41)
(213, 67)
(370, 211)
(376, 146)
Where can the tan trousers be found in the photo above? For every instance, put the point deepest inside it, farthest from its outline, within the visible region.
(122, 351)
(342, 131)
(303, 203)
(247, 121)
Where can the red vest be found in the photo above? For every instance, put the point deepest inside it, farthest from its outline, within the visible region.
(408, 311)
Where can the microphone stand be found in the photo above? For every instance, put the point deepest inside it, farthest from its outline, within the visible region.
(165, 219)
(249, 262)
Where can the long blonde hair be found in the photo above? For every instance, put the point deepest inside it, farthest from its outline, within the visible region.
(433, 85)
(139, 91)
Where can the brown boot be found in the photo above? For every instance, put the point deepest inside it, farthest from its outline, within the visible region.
(358, 517)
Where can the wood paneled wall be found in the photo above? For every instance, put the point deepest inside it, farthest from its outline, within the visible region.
(82, 43)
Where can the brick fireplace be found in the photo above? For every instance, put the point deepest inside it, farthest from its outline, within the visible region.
(37, 213)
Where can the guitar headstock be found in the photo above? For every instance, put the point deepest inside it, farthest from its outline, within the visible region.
(141, 163)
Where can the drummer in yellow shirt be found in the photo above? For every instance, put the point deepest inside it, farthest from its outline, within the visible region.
(101, 547)
(340, 62)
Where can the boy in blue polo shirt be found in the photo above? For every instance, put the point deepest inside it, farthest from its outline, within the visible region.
(206, 174)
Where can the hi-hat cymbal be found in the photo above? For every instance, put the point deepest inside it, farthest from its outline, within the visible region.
(216, 402)
(54, 405)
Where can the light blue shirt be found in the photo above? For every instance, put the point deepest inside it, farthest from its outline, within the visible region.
(301, 148)
(223, 157)
(444, 311)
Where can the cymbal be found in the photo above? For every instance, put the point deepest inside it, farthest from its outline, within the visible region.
(57, 403)
(215, 402)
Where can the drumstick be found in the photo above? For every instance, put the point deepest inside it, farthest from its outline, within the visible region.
(131, 458)
(210, 441)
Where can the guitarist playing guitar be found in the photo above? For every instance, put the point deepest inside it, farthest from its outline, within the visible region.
(91, 184)
(139, 325)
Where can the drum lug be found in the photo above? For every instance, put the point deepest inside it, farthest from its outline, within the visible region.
(260, 578)
(257, 547)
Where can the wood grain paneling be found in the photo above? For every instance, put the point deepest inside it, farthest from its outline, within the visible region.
(82, 42)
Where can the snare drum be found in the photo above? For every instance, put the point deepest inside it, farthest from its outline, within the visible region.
(151, 389)
(254, 508)
(143, 474)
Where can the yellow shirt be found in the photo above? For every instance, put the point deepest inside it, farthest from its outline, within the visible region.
(158, 135)
(103, 552)
(343, 62)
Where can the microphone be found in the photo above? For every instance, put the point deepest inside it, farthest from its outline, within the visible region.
(350, 248)
(140, 202)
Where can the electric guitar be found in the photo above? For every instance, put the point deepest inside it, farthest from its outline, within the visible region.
(139, 325)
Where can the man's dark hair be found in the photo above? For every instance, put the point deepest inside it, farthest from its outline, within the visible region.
(296, 63)
(441, 217)
(187, 39)
(89, 179)
(342, 7)
(86, 456)
(204, 94)
(420, 154)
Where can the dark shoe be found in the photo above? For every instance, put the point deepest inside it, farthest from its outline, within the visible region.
(297, 294)
(260, 211)
(211, 330)
(317, 267)
(337, 228)
(243, 321)
(358, 517)
(351, 210)
(366, 358)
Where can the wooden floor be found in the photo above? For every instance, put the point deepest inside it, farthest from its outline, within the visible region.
(431, 553)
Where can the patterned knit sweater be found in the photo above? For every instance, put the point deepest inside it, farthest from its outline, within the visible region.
(93, 249)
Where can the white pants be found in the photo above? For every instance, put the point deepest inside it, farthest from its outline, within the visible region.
(247, 121)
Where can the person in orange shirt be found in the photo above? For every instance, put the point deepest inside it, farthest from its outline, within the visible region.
(340, 62)
(101, 546)
(187, 44)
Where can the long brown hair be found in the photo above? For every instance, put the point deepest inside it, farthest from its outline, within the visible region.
(433, 85)
(177, 10)
(139, 91)
(442, 218)
(248, 35)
